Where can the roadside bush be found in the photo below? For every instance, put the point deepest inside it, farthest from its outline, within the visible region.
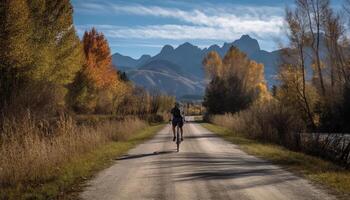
(155, 118)
(280, 124)
(42, 98)
(270, 122)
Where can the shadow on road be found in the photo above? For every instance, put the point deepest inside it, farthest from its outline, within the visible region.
(156, 153)
(200, 166)
(187, 136)
(200, 136)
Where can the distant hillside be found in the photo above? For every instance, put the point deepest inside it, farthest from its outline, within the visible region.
(166, 77)
(184, 63)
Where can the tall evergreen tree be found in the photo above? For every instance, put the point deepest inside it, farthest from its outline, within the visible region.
(39, 46)
(15, 45)
(58, 48)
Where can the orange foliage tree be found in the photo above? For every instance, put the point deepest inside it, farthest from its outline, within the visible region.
(97, 87)
(98, 67)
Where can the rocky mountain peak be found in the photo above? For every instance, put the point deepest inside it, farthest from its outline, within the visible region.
(167, 49)
(247, 44)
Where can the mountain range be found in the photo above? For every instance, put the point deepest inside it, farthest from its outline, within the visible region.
(179, 71)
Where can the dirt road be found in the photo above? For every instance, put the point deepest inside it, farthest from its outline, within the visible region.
(206, 167)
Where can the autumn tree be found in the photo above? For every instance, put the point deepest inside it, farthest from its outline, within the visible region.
(315, 12)
(213, 65)
(235, 83)
(293, 72)
(335, 110)
(97, 87)
(316, 34)
(338, 55)
(98, 65)
(40, 52)
(59, 51)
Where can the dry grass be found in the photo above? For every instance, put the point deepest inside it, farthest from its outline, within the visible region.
(268, 121)
(230, 121)
(32, 152)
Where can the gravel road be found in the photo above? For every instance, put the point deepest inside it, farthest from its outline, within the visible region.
(207, 167)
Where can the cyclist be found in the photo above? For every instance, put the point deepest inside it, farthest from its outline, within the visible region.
(177, 120)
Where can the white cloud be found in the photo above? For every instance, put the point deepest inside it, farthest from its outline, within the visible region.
(182, 32)
(215, 23)
(238, 16)
(137, 45)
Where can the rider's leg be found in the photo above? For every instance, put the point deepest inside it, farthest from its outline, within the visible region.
(182, 133)
(174, 132)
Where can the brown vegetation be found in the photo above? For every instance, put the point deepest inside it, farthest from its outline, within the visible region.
(33, 151)
(276, 123)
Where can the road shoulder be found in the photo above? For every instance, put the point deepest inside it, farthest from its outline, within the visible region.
(324, 174)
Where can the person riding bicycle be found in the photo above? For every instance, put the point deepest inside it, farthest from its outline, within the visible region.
(177, 120)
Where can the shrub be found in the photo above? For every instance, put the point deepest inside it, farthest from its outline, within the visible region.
(271, 122)
(278, 123)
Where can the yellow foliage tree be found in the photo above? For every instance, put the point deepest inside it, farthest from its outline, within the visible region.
(213, 64)
(236, 82)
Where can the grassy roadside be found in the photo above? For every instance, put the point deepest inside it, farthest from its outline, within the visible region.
(82, 168)
(317, 170)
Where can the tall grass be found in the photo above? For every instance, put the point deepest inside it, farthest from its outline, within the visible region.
(275, 123)
(270, 122)
(33, 151)
(227, 120)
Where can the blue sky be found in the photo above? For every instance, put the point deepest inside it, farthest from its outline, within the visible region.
(137, 27)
